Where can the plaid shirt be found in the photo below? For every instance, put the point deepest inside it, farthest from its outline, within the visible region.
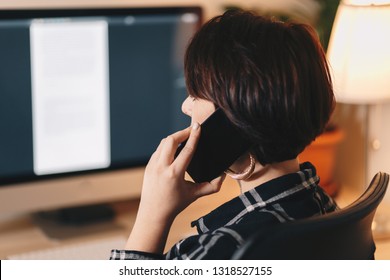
(289, 197)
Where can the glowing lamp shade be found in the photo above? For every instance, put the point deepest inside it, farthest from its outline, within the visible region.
(359, 52)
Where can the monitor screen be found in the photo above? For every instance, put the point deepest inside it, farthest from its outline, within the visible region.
(88, 91)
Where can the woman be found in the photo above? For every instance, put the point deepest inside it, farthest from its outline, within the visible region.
(272, 81)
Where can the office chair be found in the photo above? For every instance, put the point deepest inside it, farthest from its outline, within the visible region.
(344, 234)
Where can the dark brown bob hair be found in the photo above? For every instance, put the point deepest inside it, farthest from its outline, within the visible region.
(270, 78)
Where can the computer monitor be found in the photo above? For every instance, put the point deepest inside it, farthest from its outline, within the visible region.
(86, 95)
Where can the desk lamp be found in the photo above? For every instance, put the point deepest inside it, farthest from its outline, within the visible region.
(359, 57)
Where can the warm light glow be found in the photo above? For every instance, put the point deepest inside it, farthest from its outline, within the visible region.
(359, 52)
(367, 2)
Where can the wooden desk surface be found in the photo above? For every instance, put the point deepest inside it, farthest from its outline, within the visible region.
(22, 234)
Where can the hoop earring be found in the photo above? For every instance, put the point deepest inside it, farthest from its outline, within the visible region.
(246, 173)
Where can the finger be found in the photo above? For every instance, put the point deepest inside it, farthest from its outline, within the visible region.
(185, 156)
(182, 135)
(219, 180)
(170, 145)
(209, 188)
(155, 156)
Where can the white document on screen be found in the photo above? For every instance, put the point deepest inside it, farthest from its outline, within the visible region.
(70, 95)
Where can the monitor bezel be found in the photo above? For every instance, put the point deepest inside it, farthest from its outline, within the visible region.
(96, 11)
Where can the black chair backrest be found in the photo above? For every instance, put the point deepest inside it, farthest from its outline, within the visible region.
(343, 234)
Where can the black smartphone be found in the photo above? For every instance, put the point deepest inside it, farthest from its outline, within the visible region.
(220, 145)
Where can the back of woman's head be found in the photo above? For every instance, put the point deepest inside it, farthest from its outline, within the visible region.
(270, 78)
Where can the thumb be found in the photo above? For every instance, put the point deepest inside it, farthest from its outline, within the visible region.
(208, 188)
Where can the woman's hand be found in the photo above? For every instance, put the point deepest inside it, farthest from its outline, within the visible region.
(165, 192)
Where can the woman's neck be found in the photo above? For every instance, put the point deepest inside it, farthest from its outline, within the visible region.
(268, 172)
